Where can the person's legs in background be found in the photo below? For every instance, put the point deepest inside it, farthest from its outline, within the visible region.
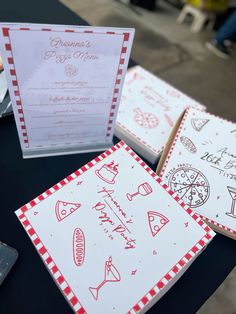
(226, 32)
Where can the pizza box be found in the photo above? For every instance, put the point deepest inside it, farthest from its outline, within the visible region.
(199, 165)
(116, 220)
(148, 111)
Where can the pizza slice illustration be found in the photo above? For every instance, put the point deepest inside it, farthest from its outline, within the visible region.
(198, 124)
(156, 222)
(64, 209)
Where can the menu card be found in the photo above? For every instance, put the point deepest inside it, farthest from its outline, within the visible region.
(148, 111)
(116, 238)
(65, 84)
(200, 167)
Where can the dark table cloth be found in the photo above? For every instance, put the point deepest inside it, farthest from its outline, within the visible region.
(29, 288)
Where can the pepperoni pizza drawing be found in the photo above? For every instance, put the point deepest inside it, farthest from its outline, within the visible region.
(156, 222)
(190, 185)
(198, 124)
(146, 120)
(64, 209)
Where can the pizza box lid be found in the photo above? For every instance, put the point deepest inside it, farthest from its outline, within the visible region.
(148, 111)
(116, 219)
(199, 164)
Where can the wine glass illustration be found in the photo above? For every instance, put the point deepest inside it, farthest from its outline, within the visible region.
(111, 274)
(232, 192)
(143, 189)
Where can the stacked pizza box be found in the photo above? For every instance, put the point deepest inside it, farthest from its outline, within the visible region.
(148, 111)
(199, 165)
(116, 220)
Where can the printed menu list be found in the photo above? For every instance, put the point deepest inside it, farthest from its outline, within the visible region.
(66, 85)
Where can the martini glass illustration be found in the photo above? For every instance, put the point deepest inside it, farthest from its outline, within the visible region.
(143, 189)
(111, 274)
(232, 192)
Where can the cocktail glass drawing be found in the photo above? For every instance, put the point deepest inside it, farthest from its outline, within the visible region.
(232, 192)
(111, 274)
(143, 189)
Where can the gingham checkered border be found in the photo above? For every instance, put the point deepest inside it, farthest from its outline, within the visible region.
(170, 153)
(218, 225)
(48, 261)
(174, 142)
(55, 272)
(116, 90)
(156, 151)
(15, 87)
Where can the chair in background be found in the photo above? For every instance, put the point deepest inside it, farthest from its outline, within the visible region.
(203, 12)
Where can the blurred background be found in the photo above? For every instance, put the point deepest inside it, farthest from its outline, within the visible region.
(172, 50)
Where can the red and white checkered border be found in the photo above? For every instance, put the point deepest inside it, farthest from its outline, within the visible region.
(156, 151)
(218, 225)
(15, 87)
(170, 153)
(116, 90)
(174, 142)
(55, 272)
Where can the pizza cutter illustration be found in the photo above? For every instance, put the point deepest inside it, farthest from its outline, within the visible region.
(144, 189)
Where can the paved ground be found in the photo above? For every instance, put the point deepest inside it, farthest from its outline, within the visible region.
(172, 52)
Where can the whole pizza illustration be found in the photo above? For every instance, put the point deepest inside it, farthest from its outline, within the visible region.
(190, 185)
(71, 70)
(146, 120)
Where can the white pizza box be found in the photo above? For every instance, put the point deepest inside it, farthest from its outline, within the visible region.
(102, 231)
(148, 111)
(199, 165)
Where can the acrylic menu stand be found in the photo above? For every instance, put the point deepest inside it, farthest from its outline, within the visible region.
(65, 87)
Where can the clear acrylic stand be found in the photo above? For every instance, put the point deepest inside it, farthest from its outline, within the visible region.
(65, 150)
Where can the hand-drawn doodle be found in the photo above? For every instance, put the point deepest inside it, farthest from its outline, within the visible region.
(146, 120)
(78, 246)
(198, 124)
(143, 189)
(190, 185)
(111, 274)
(232, 192)
(168, 120)
(71, 70)
(188, 144)
(136, 77)
(156, 222)
(174, 93)
(64, 209)
(108, 172)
